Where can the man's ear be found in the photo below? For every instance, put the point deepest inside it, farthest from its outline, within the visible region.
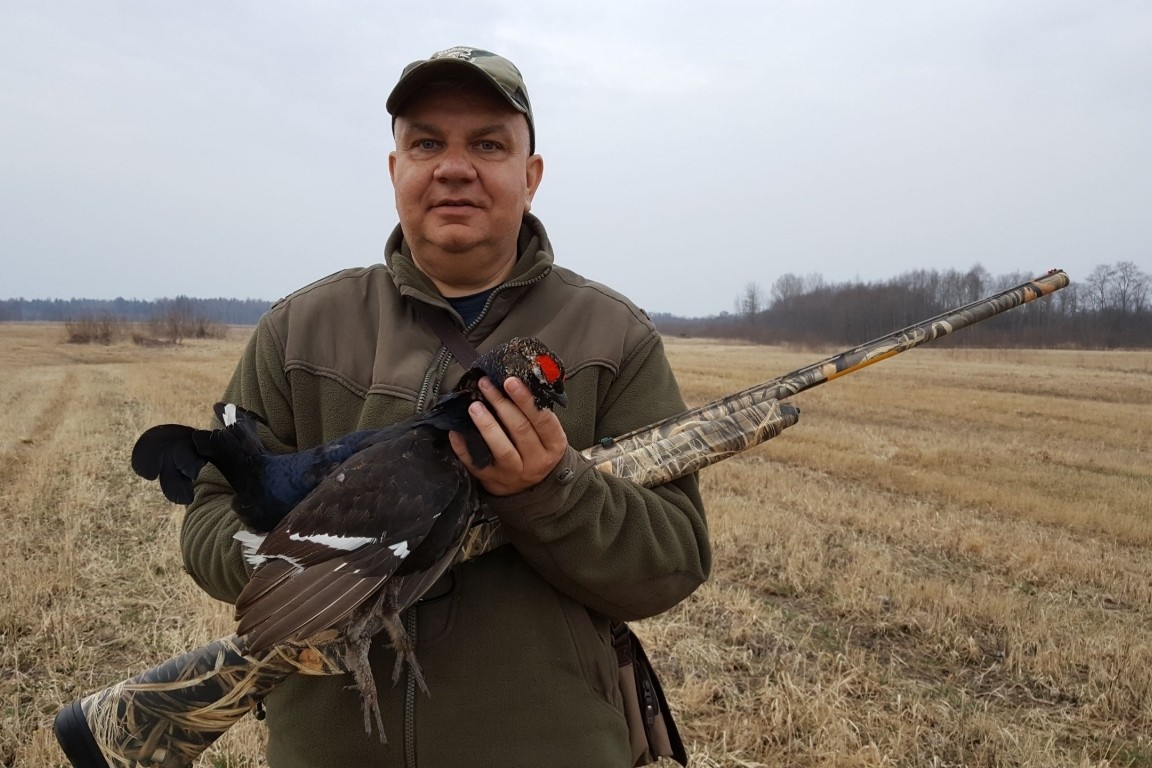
(533, 175)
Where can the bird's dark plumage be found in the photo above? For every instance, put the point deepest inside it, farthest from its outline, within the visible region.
(367, 521)
(267, 485)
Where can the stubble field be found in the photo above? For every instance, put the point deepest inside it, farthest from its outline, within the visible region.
(945, 563)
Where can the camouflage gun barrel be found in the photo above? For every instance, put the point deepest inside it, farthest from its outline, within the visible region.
(168, 715)
(846, 362)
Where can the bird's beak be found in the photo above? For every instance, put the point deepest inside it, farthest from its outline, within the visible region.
(558, 398)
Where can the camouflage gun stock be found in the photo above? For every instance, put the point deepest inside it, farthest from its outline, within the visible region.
(169, 715)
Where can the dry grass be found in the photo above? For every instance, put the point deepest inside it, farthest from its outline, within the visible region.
(945, 563)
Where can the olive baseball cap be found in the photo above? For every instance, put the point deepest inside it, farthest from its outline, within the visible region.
(495, 70)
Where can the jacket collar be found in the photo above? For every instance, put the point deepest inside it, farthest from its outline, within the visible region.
(534, 260)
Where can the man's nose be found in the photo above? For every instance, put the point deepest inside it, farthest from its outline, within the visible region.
(455, 165)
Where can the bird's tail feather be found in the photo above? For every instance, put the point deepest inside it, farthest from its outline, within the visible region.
(175, 454)
(168, 452)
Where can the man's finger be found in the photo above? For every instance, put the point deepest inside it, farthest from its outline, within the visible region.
(545, 426)
(511, 413)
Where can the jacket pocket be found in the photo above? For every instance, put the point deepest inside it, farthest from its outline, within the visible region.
(592, 642)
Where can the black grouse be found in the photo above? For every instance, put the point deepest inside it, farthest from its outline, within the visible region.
(359, 527)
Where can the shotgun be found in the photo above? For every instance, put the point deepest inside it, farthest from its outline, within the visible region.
(167, 716)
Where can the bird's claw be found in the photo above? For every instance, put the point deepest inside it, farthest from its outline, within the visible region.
(407, 656)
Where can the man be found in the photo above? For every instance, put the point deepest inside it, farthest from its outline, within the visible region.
(514, 642)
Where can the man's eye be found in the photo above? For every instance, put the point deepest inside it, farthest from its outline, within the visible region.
(427, 144)
(487, 146)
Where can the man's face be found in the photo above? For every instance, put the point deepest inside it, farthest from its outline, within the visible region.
(463, 180)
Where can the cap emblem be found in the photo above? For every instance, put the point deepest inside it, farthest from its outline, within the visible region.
(459, 52)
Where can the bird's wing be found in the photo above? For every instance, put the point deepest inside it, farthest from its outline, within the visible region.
(296, 606)
(350, 535)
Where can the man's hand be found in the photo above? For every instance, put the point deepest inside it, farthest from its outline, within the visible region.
(526, 443)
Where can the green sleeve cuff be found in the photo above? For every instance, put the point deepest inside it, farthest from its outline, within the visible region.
(545, 498)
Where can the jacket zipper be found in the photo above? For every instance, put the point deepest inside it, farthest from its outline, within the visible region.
(432, 380)
(428, 391)
(410, 697)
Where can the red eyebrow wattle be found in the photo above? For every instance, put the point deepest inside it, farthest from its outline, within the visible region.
(549, 368)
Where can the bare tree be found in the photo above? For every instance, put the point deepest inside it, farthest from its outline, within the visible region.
(751, 302)
(790, 286)
(1098, 287)
(1068, 300)
(1129, 288)
(787, 286)
(975, 283)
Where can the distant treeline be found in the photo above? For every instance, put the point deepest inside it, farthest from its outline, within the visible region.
(1109, 308)
(225, 311)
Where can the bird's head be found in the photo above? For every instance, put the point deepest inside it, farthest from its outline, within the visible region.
(529, 360)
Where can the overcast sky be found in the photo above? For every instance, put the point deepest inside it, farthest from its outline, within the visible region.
(239, 149)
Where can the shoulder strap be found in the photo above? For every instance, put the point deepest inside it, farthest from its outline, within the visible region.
(448, 332)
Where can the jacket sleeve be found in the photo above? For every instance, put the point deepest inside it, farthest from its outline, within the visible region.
(211, 556)
(626, 551)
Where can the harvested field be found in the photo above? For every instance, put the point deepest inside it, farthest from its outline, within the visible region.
(945, 563)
